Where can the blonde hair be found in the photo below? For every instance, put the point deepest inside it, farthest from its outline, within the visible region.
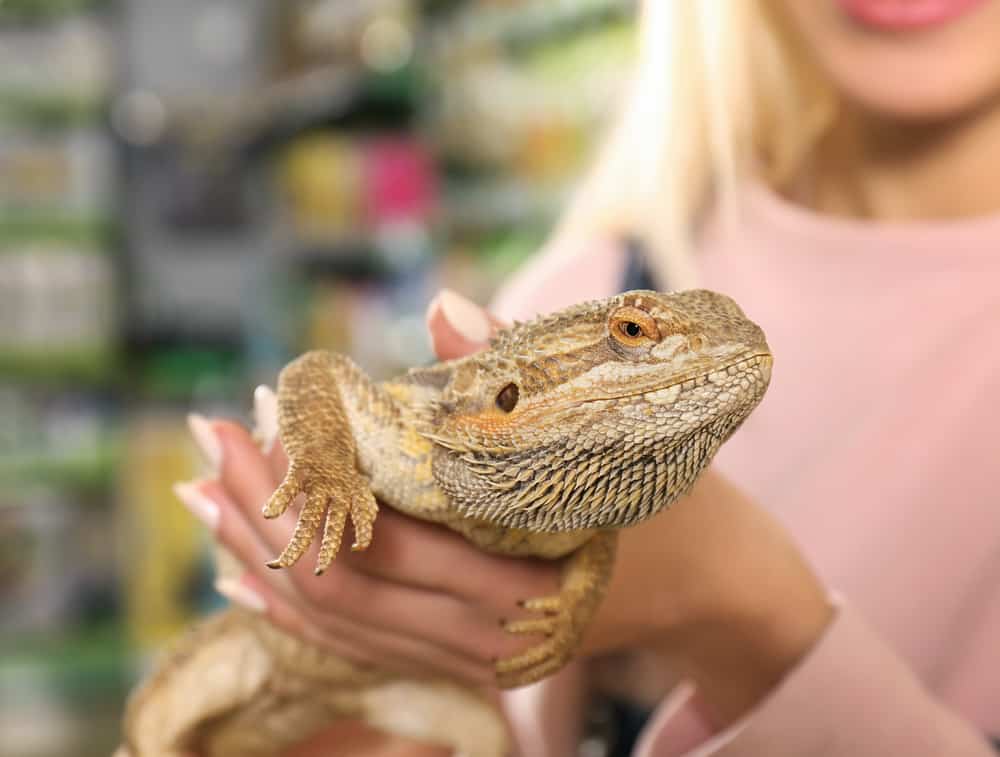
(722, 90)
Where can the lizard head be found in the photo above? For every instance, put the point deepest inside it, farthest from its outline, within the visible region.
(598, 415)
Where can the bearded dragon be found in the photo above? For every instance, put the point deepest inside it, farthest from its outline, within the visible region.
(566, 429)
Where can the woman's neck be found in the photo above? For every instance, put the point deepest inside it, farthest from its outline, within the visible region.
(872, 168)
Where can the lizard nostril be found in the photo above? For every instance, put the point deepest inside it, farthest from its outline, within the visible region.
(507, 398)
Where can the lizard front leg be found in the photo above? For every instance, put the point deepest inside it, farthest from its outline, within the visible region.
(585, 579)
(322, 451)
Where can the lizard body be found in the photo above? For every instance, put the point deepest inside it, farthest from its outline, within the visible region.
(566, 429)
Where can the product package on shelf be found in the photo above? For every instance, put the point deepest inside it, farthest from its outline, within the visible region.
(57, 266)
(55, 67)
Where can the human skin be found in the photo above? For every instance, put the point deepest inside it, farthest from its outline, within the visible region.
(907, 76)
(920, 121)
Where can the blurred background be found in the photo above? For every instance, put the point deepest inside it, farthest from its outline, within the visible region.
(191, 193)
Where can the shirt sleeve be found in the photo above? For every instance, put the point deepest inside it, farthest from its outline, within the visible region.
(851, 696)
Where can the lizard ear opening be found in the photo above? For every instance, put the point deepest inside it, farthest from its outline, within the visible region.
(507, 398)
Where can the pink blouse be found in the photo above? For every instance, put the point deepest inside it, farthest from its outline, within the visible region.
(878, 447)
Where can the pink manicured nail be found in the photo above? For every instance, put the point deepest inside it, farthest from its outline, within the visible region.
(206, 439)
(203, 508)
(464, 316)
(240, 594)
(265, 411)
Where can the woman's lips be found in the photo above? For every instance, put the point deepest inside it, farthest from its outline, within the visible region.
(899, 15)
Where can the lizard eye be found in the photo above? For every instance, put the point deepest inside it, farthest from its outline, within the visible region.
(632, 327)
(507, 398)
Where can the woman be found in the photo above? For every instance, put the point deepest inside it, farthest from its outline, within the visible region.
(832, 586)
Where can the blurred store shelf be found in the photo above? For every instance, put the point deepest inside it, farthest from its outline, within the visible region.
(481, 28)
(472, 205)
(35, 11)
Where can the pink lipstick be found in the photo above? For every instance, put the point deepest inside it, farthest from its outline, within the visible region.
(902, 15)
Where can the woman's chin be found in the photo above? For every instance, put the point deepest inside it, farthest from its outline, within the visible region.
(930, 103)
(914, 73)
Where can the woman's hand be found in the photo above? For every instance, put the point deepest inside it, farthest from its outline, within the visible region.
(401, 602)
(421, 600)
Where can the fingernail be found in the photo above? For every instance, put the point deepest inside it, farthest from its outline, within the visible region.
(241, 594)
(203, 508)
(464, 316)
(206, 439)
(265, 412)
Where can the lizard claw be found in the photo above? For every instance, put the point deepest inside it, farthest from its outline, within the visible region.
(336, 496)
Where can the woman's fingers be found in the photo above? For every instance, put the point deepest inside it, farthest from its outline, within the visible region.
(368, 644)
(244, 470)
(458, 627)
(404, 550)
(402, 600)
(247, 477)
(265, 406)
(425, 556)
(387, 620)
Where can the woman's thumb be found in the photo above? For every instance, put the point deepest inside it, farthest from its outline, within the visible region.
(458, 326)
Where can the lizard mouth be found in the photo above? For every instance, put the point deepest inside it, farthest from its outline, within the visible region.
(670, 391)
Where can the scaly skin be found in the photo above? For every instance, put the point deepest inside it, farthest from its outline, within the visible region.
(567, 429)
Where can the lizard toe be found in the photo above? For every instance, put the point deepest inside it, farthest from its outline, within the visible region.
(364, 508)
(546, 626)
(551, 605)
(283, 496)
(333, 533)
(305, 528)
(535, 663)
